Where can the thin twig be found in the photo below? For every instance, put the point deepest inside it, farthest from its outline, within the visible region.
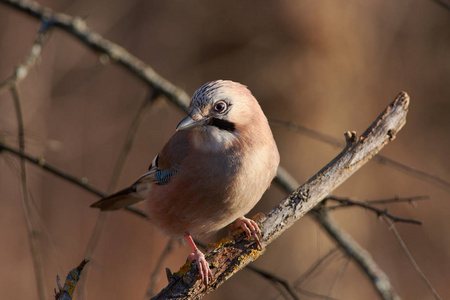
(410, 258)
(362, 257)
(287, 287)
(398, 199)
(41, 163)
(338, 276)
(316, 267)
(129, 139)
(159, 265)
(283, 282)
(22, 70)
(346, 202)
(120, 163)
(38, 264)
(381, 159)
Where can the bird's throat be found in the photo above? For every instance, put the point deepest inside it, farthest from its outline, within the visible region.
(213, 139)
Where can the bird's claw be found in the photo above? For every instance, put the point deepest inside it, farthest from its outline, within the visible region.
(250, 228)
(202, 266)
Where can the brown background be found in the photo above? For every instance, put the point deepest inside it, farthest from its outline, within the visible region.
(329, 65)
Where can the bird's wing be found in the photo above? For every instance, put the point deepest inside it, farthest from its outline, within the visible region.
(163, 167)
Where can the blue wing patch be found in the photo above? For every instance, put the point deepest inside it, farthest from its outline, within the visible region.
(163, 176)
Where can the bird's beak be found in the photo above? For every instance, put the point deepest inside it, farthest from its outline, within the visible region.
(189, 123)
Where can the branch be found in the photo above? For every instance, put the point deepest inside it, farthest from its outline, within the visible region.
(21, 71)
(381, 159)
(77, 27)
(359, 255)
(40, 162)
(346, 202)
(33, 233)
(410, 258)
(234, 252)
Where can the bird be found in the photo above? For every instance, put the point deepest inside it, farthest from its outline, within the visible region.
(211, 172)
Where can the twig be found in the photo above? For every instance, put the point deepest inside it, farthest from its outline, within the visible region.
(66, 292)
(410, 258)
(363, 259)
(346, 202)
(381, 159)
(359, 255)
(40, 162)
(397, 199)
(120, 163)
(315, 267)
(22, 70)
(131, 135)
(38, 264)
(77, 27)
(129, 139)
(338, 276)
(159, 265)
(235, 252)
(290, 290)
(283, 282)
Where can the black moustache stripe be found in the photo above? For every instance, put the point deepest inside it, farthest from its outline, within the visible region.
(222, 124)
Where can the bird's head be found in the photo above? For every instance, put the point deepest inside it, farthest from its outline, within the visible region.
(220, 111)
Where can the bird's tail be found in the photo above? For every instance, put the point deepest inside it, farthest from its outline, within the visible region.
(121, 199)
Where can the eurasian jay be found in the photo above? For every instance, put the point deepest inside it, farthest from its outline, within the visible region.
(211, 172)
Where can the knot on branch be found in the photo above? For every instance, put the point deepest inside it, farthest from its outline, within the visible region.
(350, 138)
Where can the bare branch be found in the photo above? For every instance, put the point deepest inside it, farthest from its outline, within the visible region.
(316, 266)
(271, 277)
(381, 159)
(40, 162)
(346, 202)
(101, 219)
(397, 199)
(410, 258)
(77, 27)
(22, 70)
(338, 276)
(235, 252)
(38, 264)
(157, 270)
(359, 255)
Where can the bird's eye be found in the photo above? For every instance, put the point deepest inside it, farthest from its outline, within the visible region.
(220, 107)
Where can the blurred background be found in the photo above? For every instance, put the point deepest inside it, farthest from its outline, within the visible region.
(332, 66)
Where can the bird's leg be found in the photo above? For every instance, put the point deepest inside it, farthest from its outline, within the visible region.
(199, 257)
(250, 228)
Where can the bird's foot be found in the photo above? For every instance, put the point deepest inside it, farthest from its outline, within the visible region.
(250, 228)
(202, 266)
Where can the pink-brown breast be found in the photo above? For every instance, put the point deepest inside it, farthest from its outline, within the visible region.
(211, 189)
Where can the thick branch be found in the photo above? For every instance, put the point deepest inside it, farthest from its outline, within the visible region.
(235, 252)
